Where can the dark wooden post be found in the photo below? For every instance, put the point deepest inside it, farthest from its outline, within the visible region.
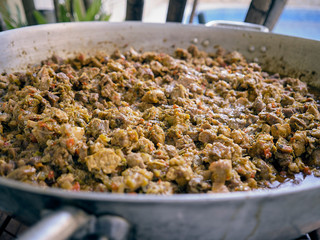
(71, 11)
(176, 10)
(201, 18)
(265, 12)
(87, 3)
(2, 24)
(134, 10)
(29, 8)
(194, 7)
(56, 10)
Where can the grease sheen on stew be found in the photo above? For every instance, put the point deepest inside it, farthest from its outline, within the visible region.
(152, 123)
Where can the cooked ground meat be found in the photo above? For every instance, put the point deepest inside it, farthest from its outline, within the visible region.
(132, 122)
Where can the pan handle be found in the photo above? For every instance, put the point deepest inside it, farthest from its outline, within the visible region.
(57, 225)
(237, 25)
(63, 223)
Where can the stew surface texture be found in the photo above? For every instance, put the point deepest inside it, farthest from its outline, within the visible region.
(152, 123)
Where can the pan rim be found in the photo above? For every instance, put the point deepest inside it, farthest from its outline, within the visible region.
(64, 25)
(174, 198)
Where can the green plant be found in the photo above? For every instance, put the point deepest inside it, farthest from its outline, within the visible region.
(39, 18)
(92, 14)
(73, 10)
(11, 22)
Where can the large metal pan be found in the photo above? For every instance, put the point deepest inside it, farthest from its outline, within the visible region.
(283, 213)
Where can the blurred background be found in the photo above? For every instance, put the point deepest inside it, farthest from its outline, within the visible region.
(299, 17)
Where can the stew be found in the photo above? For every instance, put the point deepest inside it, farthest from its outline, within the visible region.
(132, 122)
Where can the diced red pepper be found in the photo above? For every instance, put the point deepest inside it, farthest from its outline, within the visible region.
(267, 153)
(114, 186)
(81, 57)
(70, 75)
(287, 149)
(241, 170)
(307, 171)
(41, 124)
(70, 142)
(50, 175)
(76, 186)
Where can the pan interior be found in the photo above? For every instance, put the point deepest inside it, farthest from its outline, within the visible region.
(274, 52)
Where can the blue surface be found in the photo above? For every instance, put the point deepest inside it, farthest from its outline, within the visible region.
(293, 21)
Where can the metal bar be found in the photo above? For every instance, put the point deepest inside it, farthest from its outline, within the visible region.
(134, 10)
(237, 25)
(274, 13)
(58, 225)
(176, 10)
(3, 15)
(4, 224)
(56, 10)
(29, 8)
(2, 24)
(258, 11)
(315, 235)
(265, 12)
(113, 227)
(49, 15)
(201, 18)
(194, 7)
(70, 8)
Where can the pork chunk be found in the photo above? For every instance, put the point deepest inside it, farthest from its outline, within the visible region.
(105, 160)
